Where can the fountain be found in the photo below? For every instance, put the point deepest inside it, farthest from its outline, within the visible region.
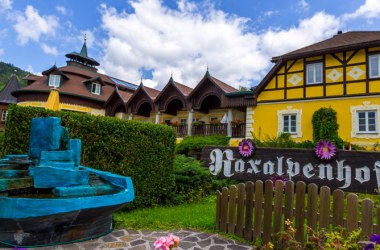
(47, 197)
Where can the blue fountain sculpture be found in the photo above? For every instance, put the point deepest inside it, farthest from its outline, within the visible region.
(47, 197)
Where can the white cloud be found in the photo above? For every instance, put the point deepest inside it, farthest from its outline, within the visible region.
(370, 9)
(30, 69)
(309, 31)
(30, 25)
(90, 37)
(61, 9)
(1, 51)
(49, 50)
(271, 12)
(303, 4)
(184, 41)
(5, 5)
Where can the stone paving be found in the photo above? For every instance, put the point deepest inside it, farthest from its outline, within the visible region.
(143, 240)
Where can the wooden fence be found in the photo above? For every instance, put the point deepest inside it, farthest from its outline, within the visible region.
(258, 210)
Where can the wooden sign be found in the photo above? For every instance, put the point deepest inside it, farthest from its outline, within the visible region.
(351, 171)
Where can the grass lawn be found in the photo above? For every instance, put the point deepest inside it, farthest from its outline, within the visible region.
(198, 215)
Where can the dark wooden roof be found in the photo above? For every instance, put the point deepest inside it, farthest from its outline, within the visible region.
(73, 85)
(5, 93)
(340, 42)
(172, 91)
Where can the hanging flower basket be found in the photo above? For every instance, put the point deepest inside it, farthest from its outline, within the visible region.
(247, 147)
(325, 150)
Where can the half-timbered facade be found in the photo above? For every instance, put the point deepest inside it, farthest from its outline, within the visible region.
(342, 72)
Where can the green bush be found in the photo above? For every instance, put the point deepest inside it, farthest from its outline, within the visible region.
(194, 144)
(192, 180)
(143, 151)
(283, 141)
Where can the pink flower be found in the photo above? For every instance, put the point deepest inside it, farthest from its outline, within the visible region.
(325, 149)
(166, 243)
(161, 243)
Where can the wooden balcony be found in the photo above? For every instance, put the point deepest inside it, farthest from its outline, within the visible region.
(238, 130)
(181, 130)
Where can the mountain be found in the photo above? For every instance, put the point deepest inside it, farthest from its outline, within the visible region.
(7, 70)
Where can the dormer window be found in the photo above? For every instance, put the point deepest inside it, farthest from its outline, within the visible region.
(54, 81)
(95, 88)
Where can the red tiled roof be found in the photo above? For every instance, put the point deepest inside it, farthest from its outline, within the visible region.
(183, 88)
(125, 95)
(153, 93)
(339, 42)
(75, 84)
(224, 86)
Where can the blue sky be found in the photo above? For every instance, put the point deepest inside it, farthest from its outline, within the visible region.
(154, 39)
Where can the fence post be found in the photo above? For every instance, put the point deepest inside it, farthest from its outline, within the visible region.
(324, 211)
(268, 197)
(248, 210)
(232, 209)
(289, 200)
(352, 212)
(258, 209)
(218, 201)
(367, 217)
(277, 218)
(338, 207)
(224, 210)
(300, 210)
(240, 209)
(312, 200)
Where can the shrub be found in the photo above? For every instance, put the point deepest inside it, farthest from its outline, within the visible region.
(192, 181)
(282, 141)
(194, 144)
(143, 151)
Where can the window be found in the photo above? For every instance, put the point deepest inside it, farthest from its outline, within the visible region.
(95, 88)
(289, 121)
(374, 66)
(183, 121)
(4, 115)
(168, 122)
(367, 121)
(289, 124)
(213, 119)
(54, 81)
(314, 73)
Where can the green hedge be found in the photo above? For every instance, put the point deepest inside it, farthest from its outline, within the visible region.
(143, 151)
(194, 144)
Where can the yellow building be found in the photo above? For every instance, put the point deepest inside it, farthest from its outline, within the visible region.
(342, 72)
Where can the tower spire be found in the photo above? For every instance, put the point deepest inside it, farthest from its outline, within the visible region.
(83, 51)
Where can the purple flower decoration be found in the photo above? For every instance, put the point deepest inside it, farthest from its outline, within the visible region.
(325, 149)
(278, 178)
(375, 238)
(369, 247)
(247, 147)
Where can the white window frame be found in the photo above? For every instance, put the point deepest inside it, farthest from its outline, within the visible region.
(97, 89)
(289, 123)
(313, 67)
(366, 113)
(54, 80)
(370, 65)
(287, 112)
(4, 115)
(366, 107)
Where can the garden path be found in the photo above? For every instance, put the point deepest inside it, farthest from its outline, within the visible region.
(144, 239)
